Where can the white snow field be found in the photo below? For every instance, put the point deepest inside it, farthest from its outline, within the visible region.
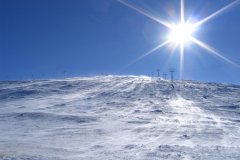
(119, 117)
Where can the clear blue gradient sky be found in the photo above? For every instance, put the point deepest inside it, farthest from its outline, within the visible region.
(56, 38)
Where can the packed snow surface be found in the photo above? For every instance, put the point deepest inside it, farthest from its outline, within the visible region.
(119, 117)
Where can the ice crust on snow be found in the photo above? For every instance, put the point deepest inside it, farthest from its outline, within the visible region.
(118, 117)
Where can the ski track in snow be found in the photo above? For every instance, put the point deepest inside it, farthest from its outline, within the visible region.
(119, 117)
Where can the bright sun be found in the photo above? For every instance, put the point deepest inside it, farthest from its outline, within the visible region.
(181, 33)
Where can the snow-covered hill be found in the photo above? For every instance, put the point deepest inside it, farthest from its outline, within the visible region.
(118, 117)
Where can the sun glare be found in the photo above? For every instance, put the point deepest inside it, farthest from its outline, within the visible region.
(181, 33)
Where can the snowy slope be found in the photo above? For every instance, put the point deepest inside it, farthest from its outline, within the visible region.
(118, 117)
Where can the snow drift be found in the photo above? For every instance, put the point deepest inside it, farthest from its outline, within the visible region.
(118, 117)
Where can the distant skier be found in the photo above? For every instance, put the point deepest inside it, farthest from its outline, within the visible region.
(172, 86)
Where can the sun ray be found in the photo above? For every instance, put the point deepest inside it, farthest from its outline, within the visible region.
(148, 53)
(182, 44)
(181, 60)
(214, 51)
(157, 19)
(182, 12)
(234, 3)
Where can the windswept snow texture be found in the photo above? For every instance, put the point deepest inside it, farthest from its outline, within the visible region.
(119, 117)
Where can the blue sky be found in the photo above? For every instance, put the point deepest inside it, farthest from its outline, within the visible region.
(56, 38)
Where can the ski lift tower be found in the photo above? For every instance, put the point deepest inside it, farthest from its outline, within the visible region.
(152, 74)
(158, 71)
(172, 71)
